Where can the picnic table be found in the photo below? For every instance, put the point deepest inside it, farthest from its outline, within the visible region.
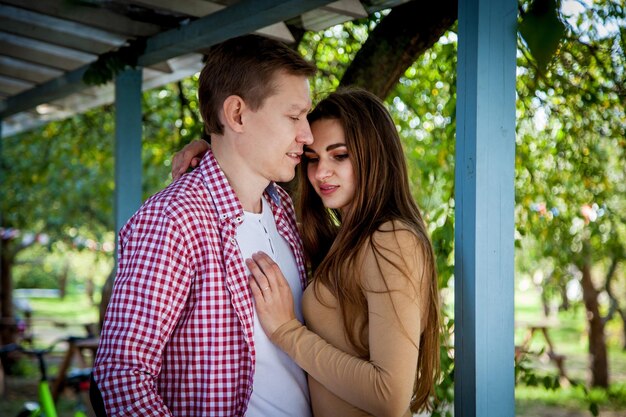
(542, 327)
(80, 349)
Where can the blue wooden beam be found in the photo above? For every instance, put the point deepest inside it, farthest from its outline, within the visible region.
(241, 18)
(127, 145)
(238, 19)
(484, 246)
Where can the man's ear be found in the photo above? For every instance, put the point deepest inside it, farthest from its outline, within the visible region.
(233, 108)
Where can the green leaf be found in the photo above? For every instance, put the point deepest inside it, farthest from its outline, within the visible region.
(542, 30)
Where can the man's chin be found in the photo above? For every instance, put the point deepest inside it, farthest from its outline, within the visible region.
(285, 178)
(288, 176)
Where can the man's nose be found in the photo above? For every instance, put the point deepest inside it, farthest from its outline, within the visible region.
(304, 133)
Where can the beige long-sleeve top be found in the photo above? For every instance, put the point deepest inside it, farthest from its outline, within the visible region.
(342, 384)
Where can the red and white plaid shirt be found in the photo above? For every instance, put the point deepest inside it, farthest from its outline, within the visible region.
(178, 334)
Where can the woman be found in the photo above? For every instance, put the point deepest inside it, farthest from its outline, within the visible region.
(371, 341)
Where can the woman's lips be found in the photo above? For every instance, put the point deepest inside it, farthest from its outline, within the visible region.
(328, 189)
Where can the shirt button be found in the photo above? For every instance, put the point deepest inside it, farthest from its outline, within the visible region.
(239, 220)
(223, 216)
(232, 240)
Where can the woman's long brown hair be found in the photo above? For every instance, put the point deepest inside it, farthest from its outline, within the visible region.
(332, 242)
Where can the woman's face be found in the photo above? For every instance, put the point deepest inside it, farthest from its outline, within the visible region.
(329, 167)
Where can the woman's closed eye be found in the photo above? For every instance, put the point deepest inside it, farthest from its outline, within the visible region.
(310, 157)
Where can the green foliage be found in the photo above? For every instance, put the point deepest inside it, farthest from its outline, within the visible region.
(333, 50)
(423, 105)
(59, 176)
(570, 181)
(108, 65)
(23, 367)
(444, 389)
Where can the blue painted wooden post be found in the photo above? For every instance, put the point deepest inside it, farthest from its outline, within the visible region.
(484, 247)
(127, 145)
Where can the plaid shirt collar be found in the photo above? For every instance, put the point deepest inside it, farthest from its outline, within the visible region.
(225, 200)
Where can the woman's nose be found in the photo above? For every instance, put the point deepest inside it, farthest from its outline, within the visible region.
(323, 171)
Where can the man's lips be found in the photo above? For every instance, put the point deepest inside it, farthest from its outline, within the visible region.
(295, 155)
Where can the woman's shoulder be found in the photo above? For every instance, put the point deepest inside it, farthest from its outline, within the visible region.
(394, 235)
(393, 257)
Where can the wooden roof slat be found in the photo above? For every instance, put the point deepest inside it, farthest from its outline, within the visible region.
(333, 14)
(12, 85)
(243, 17)
(38, 57)
(97, 17)
(352, 8)
(34, 51)
(64, 26)
(195, 8)
(201, 8)
(54, 37)
(163, 67)
(33, 44)
(26, 71)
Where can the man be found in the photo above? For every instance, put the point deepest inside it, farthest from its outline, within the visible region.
(180, 336)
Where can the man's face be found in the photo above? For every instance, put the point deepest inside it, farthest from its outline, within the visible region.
(277, 132)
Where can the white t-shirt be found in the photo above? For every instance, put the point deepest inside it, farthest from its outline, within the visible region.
(279, 388)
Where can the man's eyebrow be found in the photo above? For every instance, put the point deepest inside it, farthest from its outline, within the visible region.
(300, 108)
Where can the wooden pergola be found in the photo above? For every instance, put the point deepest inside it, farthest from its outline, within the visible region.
(46, 46)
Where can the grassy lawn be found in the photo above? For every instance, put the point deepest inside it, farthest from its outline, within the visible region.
(53, 319)
(568, 334)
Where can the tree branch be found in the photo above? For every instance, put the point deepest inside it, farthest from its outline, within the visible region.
(396, 43)
(614, 307)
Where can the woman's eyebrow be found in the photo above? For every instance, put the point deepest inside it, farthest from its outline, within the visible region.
(335, 146)
(328, 148)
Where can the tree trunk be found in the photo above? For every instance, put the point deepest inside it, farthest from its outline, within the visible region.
(597, 344)
(615, 303)
(396, 43)
(623, 316)
(8, 326)
(565, 304)
(8, 329)
(63, 280)
(545, 302)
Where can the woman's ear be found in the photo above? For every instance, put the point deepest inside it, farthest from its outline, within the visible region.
(233, 108)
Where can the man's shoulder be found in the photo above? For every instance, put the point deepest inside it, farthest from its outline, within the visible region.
(180, 201)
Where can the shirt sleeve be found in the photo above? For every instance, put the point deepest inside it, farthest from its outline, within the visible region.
(151, 286)
(395, 287)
